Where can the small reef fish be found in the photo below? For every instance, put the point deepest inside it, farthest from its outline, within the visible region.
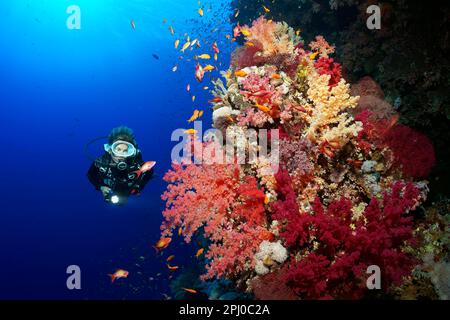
(266, 199)
(162, 244)
(216, 56)
(170, 258)
(177, 42)
(236, 14)
(249, 44)
(190, 131)
(208, 68)
(216, 100)
(246, 32)
(194, 42)
(199, 72)
(313, 55)
(200, 12)
(120, 273)
(172, 31)
(189, 290)
(144, 168)
(240, 73)
(275, 76)
(193, 98)
(266, 10)
(215, 48)
(263, 108)
(133, 24)
(228, 36)
(175, 68)
(185, 46)
(199, 252)
(155, 56)
(180, 230)
(164, 20)
(172, 268)
(188, 88)
(205, 88)
(237, 31)
(204, 56)
(194, 116)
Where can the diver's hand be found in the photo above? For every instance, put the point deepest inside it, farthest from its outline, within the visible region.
(105, 191)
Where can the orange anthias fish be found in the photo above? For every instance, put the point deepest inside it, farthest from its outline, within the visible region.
(162, 243)
(200, 12)
(199, 72)
(204, 56)
(313, 55)
(249, 44)
(263, 108)
(120, 273)
(215, 48)
(133, 25)
(144, 168)
(170, 257)
(180, 230)
(240, 73)
(216, 100)
(177, 42)
(237, 30)
(197, 114)
(199, 252)
(208, 68)
(189, 290)
(266, 10)
(266, 199)
(172, 268)
(246, 32)
(185, 46)
(190, 131)
(275, 76)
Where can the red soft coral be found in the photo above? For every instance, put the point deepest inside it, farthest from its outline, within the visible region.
(413, 151)
(335, 251)
(328, 66)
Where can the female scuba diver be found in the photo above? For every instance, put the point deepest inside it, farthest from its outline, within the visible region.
(120, 172)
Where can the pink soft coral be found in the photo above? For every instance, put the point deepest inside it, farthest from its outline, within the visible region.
(230, 210)
(322, 46)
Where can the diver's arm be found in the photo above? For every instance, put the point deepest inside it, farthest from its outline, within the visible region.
(94, 177)
(143, 180)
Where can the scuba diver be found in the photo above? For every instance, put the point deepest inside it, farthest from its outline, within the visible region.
(120, 171)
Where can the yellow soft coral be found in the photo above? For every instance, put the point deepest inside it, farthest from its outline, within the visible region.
(328, 120)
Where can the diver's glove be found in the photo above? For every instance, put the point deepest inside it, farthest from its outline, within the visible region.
(106, 191)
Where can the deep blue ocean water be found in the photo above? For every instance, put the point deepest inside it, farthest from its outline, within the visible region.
(61, 88)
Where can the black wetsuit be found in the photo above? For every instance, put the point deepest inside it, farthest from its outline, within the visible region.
(105, 172)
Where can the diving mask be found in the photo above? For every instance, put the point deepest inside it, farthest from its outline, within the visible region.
(121, 149)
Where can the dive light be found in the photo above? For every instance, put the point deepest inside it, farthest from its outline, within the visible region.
(115, 199)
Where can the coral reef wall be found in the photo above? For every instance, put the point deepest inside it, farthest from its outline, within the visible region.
(342, 193)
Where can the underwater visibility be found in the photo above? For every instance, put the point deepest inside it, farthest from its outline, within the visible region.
(225, 150)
